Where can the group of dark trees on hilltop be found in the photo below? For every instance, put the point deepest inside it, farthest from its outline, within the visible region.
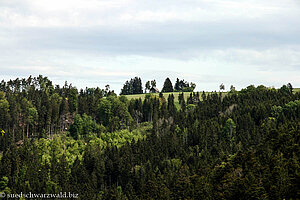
(244, 145)
(134, 86)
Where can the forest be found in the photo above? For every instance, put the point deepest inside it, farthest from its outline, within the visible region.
(94, 143)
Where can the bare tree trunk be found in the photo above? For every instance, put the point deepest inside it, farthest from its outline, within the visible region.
(23, 132)
(13, 132)
(27, 131)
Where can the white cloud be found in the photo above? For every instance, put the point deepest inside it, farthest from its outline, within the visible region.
(266, 59)
(82, 13)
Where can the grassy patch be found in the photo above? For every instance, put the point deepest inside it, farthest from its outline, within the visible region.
(296, 90)
(166, 95)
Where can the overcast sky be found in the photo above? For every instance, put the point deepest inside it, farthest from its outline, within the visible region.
(98, 42)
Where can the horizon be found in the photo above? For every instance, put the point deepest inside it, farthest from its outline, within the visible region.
(227, 87)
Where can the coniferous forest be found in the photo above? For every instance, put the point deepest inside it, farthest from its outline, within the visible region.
(92, 142)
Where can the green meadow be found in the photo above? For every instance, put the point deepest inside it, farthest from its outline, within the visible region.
(166, 95)
(296, 90)
(186, 95)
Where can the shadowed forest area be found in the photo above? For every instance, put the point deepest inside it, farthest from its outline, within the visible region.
(242, 145)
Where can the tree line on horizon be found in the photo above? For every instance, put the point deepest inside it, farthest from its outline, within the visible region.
(134, 86)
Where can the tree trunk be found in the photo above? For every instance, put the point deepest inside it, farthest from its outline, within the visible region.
(27, 131)
(23, 130)
(13, 132)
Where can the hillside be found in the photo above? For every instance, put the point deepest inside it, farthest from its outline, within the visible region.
(142, 96)
(242, 145)
(166, 95)
(186, 94)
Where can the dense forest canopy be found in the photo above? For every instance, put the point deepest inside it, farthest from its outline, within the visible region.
(242, 145)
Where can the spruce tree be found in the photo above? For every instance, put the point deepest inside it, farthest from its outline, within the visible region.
(168, 87)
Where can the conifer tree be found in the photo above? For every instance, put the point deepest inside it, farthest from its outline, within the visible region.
(168, 87)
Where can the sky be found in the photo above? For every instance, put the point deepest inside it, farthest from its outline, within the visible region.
(92, 43)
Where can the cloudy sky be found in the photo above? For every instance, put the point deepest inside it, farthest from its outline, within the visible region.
(98, 42)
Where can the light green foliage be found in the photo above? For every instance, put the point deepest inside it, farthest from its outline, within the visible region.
(84, 126)
(95, 141)
(4, 108)
(63, 145)
(229, 128)
(4, 185)
(90, 125)
(29, 111)
(291, 107)
(187, 89)
(113, 114)
(121, 137)
(104, 111)
(58, 146)
(276, 111)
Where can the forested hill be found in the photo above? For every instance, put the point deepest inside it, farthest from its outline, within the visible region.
(244, 145)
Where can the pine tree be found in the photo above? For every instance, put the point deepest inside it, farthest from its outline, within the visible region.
(168, 87)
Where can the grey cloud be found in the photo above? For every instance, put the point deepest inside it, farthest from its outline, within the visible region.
(175, 37)
(155, 39)
(267, 42)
